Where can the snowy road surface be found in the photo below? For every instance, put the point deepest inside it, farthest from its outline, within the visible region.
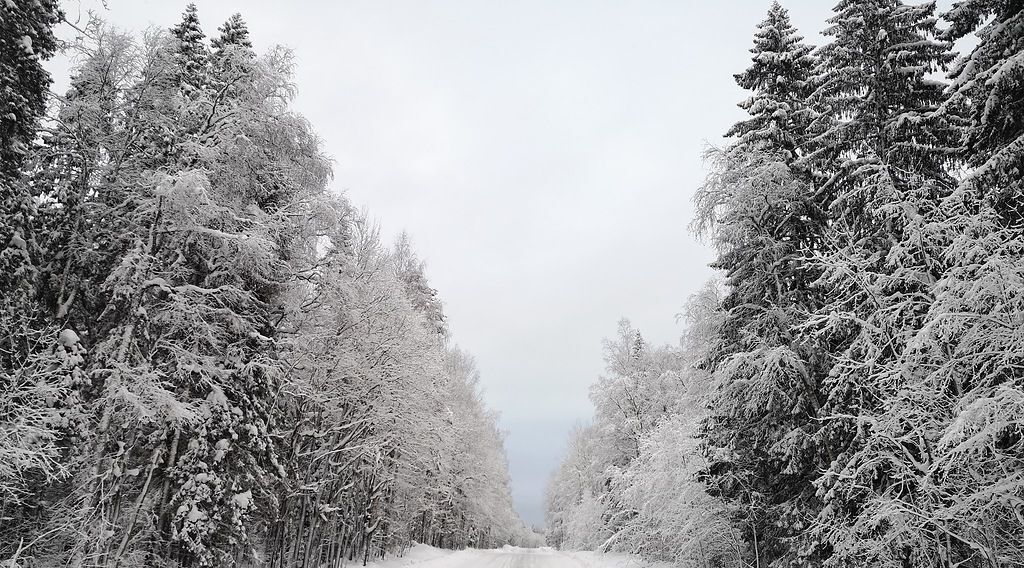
(503, 558)
(426, 557)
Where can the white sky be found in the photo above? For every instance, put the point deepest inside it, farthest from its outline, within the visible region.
(541, 153)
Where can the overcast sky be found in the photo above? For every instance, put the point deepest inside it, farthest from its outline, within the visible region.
(541, 153)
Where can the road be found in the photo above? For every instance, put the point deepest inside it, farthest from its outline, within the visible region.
(503, 558)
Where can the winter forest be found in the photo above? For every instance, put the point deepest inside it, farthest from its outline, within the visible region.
(211, 358)
(208, 358)
(853, 393)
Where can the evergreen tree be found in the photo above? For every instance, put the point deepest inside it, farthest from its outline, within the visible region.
(231, 62)
(876, 102)
(885, 151)
(779, 81)
(26, 40)
(765, 397)
(233, 33)
(921, 366)
(760, 211)
(191, 53)
(989, 92)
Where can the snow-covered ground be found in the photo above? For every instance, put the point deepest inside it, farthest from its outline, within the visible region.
(422, 556)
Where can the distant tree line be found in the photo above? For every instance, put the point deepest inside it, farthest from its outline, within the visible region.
(207, 358)
(854, 394)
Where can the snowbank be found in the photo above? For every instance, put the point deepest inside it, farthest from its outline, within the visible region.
(613, 560)
(416, 555)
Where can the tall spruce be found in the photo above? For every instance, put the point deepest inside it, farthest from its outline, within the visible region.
(231, 61)
(874, 94)
(233, 32)
(26, 41)
(989, 90)
(780, 83)
(886, 152)
(191, 54)
(759, 210)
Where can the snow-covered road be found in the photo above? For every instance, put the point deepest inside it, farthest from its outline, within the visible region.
(422, 556)
(503, 558)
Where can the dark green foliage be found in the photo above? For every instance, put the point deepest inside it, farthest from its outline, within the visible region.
(26, 40)
(875, 94)
(989, 95)
(780, 83)
(191, 54)
(233, 34)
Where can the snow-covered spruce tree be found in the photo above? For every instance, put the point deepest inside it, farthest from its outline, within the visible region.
(935, 471)
(885, 153)
(231, 60)
(879, 290)
(779, 80)
(760, 210)
(26, 38)
(191, 53)
(233, 32)
(766, 395)
(26, 41)
(962, 421)
(988, 92)
(874, 98)
(927, 392)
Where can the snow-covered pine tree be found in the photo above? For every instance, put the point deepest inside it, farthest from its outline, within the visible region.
(932, 376)
(886, 151)
(26, 41)
(760, 210)
(875, 97)
(233, 32)
(191, 54)
(988, 90)
(779, 80)
(231, 63)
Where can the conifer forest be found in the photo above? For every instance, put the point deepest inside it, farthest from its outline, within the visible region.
(211, 357)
